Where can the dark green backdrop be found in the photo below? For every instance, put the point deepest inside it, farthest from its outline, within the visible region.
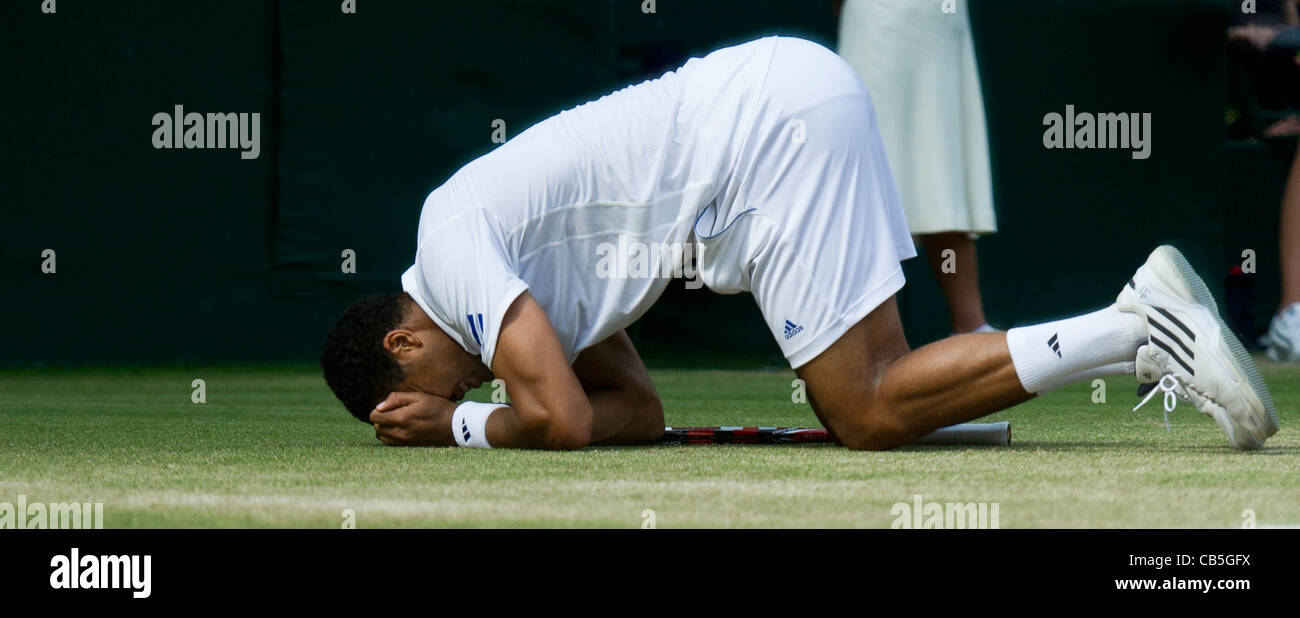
(200, 256)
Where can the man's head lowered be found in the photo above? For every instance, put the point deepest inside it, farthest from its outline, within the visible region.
(387, 343)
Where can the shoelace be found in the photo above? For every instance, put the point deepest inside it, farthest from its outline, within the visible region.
(1169, 386)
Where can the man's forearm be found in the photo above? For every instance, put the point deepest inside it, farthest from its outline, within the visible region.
(512, 427)
(608, 416)
(618, 418)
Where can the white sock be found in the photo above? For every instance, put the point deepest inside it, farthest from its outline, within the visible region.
(1087, 375)
(1045, 354)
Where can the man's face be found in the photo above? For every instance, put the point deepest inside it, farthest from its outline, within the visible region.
(433, 362)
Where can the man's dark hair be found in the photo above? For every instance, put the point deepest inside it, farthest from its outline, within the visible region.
(357, 367)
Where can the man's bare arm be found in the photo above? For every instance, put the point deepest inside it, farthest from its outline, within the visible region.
(605, 398)
(626, 408)
(549, 409)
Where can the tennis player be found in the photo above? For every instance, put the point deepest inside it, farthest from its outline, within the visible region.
(765, 158)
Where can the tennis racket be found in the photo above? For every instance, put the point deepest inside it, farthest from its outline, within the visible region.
(964, 434)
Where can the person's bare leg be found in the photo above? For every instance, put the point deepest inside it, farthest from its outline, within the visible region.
(1290, 237)
(872, 393)
(961, 287)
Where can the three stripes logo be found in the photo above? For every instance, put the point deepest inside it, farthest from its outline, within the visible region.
(792, 329)
(1168, 331)
(1055, 344)
(476, 330)
(464, 429)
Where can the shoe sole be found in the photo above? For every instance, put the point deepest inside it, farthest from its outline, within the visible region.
(1244, 364)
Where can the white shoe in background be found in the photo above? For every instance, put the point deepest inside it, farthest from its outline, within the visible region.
(1284, 336)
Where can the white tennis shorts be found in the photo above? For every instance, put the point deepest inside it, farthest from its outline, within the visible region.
(816, 231)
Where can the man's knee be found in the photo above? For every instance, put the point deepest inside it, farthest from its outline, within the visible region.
(874, 429)
(844, 381)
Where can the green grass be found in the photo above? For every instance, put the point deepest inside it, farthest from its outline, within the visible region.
(272, 449)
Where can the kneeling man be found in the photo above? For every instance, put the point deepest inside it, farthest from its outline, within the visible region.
(767, 159)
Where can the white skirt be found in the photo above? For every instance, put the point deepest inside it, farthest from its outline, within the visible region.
(918, 64)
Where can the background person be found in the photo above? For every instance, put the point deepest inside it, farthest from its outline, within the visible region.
(1284, 331)
(918, 63)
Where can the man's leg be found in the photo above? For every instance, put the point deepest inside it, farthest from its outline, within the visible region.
(872, 393)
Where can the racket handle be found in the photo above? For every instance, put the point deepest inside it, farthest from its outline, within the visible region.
(970, 434)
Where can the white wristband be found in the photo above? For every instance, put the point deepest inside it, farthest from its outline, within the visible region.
(469, 423)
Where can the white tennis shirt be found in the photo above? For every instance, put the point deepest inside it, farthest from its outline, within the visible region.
(564, 208)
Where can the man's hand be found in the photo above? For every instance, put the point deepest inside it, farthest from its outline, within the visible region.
(414, 419)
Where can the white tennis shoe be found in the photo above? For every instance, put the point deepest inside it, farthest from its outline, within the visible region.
(1192, 354)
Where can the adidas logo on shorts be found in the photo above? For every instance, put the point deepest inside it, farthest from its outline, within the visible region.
(792, 329)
